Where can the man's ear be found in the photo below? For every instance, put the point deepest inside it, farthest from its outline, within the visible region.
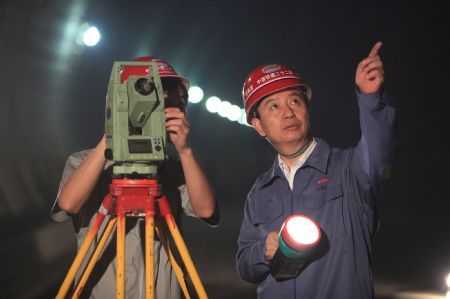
(256, 123)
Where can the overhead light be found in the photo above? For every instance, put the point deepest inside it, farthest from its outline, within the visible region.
(224, 108)
(213, 104)
(91, 36)
(195, 94)
(234, 114)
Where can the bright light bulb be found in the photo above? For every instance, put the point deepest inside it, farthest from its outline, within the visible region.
(213, 104)
(243, 119)
(195, 94)
(91, 36)
(234, 113)
(448, 280)
(302, 230)
(224, 109)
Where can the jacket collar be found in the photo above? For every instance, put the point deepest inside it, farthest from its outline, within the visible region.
(318, 160)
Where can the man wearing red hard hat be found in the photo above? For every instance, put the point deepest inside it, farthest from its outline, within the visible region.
(85, 182)
(336, 188)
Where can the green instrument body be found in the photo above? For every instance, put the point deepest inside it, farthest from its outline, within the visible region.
(134, 121)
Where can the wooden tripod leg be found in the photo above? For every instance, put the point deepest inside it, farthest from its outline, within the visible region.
(94, 258)
(176, 268)
(149, 255)
(120, 257)
(82, 252)
(179, 242)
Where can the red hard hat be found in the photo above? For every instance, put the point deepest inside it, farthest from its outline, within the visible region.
(266, 80)
(165, 70)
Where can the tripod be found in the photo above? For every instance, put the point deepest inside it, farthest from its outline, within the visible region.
(126, 197)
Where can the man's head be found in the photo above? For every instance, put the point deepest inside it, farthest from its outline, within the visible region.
(276, 101)
(175, 86)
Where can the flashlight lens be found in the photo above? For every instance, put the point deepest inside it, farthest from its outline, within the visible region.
(144, 86)
(302, 230)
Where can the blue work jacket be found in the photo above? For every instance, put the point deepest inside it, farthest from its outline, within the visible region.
(338, 189)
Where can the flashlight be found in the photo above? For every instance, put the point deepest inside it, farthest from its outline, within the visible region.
(298, 237)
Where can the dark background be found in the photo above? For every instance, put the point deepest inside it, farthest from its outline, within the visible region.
(52, 95)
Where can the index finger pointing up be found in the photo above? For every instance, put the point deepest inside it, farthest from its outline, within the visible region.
(375, 49)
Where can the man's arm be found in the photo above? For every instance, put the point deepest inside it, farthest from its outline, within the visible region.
(254, 250)
(79, 185)
(376, 148)
(200, 192)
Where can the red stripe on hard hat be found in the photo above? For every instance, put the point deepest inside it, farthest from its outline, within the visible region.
(269, 82)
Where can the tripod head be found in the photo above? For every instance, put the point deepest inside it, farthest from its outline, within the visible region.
(135, 122)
